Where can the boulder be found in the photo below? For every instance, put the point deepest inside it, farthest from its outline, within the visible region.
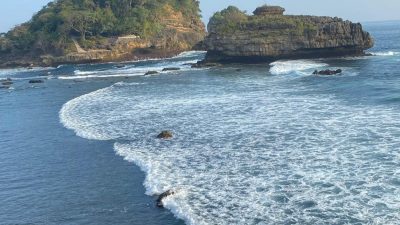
(7, 83)
(327, 72)
(36, 81)
(165, 135)
(162, 197)
(203, 64)
(119, 66)
(171, 69)
(151, 73)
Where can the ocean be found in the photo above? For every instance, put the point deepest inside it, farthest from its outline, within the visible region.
(253, 144)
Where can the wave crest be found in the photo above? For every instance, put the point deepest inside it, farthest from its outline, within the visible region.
(293, 66)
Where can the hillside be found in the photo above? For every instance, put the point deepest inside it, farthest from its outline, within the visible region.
(269, 35)
(75, 31)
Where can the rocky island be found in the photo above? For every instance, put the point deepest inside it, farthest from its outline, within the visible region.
(269, 35)
(68, 31)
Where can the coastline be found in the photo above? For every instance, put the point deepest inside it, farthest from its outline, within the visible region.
(61, 178)
(131, 59)
(297, 81)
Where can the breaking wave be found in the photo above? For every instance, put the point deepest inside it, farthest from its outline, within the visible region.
(291, 66)
(387, 53)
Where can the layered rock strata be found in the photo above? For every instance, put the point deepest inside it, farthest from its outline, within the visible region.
(236, 37)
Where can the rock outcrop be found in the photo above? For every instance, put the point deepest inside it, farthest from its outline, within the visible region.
(166, 134)
(159, 201)
(269, 35)
(103, 31)
(327, 72)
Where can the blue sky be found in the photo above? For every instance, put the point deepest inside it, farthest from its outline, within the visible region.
(13, 12)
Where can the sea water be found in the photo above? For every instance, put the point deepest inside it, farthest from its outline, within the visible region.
(257, 144)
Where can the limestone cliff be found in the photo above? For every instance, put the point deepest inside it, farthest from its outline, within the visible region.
(67, 31)
(269, 35)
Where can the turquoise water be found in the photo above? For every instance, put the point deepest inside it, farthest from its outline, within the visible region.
(254, 144)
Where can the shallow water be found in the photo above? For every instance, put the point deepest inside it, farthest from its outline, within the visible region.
(266, 144)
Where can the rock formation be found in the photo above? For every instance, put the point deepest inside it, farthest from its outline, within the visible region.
(161, 197)
(269, 35)
(327, 72)
(67, 31)
(165, 135)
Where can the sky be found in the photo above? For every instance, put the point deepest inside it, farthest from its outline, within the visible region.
(14, 12)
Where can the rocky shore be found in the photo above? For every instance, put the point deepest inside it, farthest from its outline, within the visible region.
(165, 31)
(269, 35)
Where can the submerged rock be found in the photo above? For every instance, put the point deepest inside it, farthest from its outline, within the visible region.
(7, 82)
(327, 72)
(269, 35)
(203, 64)
(162, 197)
(36, 81)
(151, 73)
(171, 69)
(120, 66)
(165, 135)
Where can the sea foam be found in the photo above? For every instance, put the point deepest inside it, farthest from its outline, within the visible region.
(250, 151)
(387, 53)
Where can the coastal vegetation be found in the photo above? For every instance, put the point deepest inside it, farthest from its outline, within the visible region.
(55, 28)
(232, 19)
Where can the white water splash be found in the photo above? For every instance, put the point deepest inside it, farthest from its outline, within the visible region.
(290, 66)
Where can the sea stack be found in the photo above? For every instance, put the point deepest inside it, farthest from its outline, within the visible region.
(269, 35)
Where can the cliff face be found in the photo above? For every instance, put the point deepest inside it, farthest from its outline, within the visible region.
(236, 37)
(67, 31)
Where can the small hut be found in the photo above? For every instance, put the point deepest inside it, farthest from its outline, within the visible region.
(269, 10)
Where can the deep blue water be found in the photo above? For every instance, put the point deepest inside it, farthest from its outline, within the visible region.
(268, 144)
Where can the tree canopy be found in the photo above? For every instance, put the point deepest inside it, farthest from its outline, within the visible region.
(53, 27)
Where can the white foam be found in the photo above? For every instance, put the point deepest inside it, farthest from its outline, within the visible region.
(133, 70)
(190, 54)
(290, 66)
(387, 53)
(12, 72)
(253, 156)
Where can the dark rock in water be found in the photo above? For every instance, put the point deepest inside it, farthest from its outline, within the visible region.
(307, 204)
(269, 36)
(6, 82)
(119, 66)
(4, 87)
(151, 73)
(327, 72)
(171, 69)
(162, 197)
(36, 81)
(165, 135)
(238, 70)
(203, 64)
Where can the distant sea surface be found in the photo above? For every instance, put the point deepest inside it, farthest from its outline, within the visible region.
(253, 144)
